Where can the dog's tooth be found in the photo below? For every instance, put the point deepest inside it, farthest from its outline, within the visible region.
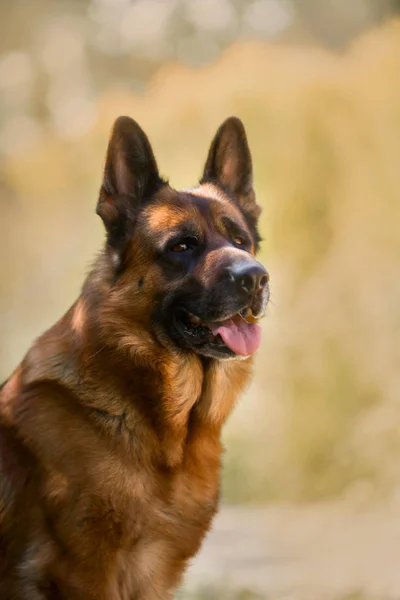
(248, 316)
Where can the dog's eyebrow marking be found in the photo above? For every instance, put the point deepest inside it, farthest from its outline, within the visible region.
(230, 223)
(79, 316)
(234, 227)
(165, 217)
(171, 221)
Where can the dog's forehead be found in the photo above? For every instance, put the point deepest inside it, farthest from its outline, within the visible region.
(209, 198)
(202, 207)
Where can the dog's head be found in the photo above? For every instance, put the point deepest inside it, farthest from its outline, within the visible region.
(184, 261)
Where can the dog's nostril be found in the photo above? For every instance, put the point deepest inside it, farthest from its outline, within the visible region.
(247, 283)
(263, 281)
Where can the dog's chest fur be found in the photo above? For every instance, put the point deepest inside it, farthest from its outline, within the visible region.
(125, 500)
(167, 532)
(139, 529)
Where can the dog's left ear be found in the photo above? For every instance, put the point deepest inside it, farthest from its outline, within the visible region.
(229, 164)
(130, 176)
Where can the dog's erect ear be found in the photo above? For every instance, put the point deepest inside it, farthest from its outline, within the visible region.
(130, 176)
(229, 164)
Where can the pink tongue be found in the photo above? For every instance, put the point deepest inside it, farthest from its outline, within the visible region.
(241, 337)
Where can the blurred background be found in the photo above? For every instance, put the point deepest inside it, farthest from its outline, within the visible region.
(311, 484)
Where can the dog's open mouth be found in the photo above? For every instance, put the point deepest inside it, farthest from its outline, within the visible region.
(240, 332)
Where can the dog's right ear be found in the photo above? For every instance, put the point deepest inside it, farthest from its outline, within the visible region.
(130, 176)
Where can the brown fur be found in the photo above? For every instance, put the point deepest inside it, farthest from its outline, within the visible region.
(110, 449)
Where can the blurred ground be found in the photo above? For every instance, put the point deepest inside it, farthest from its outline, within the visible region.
(328, 551)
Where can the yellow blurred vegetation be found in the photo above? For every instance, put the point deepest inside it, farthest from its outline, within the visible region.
(322, 416)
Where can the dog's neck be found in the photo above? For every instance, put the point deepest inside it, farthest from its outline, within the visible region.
(196, 395)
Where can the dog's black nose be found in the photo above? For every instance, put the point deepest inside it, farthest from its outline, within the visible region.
(249, 278)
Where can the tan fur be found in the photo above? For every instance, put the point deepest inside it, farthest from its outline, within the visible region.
(165, 218)
(9, 392)
(78, 317)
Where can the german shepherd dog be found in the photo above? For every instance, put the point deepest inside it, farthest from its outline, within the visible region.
(110, 448)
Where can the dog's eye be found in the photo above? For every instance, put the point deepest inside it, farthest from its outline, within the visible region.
(183, 245)
(239, 241)
(179, 247)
